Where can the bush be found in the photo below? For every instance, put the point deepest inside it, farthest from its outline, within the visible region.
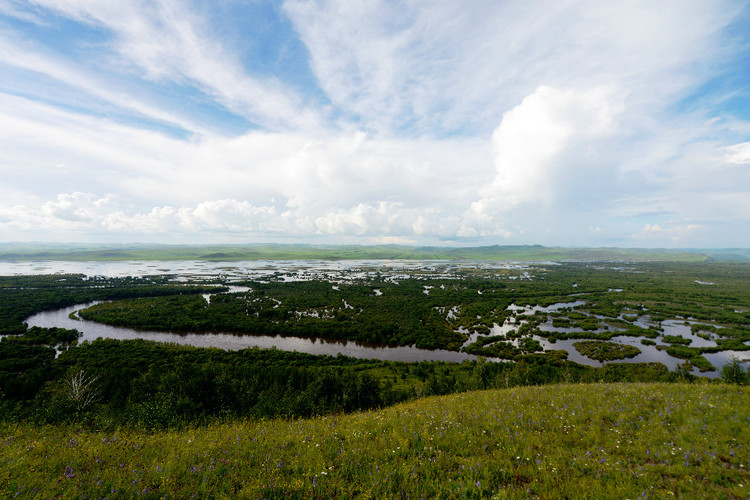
(734, 373)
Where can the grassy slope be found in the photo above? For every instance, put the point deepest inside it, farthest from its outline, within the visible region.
(596, 441)
(290, 252)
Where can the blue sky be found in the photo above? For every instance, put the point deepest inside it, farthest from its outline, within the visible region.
(569, 122)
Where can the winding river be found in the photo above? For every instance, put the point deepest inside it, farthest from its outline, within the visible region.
(92, 330)
(341, 270)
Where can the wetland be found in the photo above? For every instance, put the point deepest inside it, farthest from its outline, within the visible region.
(171, 343)
(429, 310)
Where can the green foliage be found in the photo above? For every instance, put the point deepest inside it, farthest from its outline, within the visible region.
(403, 315)
(46, 336)
(24, 368)
(702, 363)
(148, 385)
(606, 351)
(734, 372)
(493, 347)
(682, 352)
(152, 385)
(22, 296)
(562, 441)
(676, 340)
(692, 354)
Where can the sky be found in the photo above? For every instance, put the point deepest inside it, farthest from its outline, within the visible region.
(566, 122)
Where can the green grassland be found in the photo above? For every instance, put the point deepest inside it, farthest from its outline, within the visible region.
(556, 441)
(15, 252)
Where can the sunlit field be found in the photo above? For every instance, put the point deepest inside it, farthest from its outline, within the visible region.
(591, 441)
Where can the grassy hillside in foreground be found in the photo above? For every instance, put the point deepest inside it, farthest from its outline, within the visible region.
(575, 441)
(15, 252)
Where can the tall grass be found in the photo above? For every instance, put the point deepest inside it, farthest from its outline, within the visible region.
(577, 441)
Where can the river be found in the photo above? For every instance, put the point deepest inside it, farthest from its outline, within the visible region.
(318, 269)
(92, 330)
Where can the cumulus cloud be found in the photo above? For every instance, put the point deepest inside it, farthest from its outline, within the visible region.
(83, 212)
(226, 215)
(531, 144)
(68, 211)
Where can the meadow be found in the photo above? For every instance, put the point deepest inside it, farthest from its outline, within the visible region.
(553, 441)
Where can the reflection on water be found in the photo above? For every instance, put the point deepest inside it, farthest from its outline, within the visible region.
(531, 310)
(338, 271)
(92, 331)
(649, 354)
(254, 270)
(679, 328)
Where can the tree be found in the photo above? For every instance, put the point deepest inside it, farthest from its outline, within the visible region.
(733, 372)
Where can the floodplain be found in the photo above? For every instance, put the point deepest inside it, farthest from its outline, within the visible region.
(171, 368)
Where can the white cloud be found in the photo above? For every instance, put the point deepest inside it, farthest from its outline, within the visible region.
(555, 123)
(166, 41)
(83, 212)
(552, 147)
(226, 215)
(444, 65)
(98, 154)
(656, 228)
(531, 144)
(11, 8)
(310, 173)
(738, 154)
(69, 211)
(534, 134)
(17, 53)
(675, 235)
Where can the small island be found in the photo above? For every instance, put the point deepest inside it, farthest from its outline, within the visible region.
(606, 351)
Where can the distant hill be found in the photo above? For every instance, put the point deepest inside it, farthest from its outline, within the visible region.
(10, 252)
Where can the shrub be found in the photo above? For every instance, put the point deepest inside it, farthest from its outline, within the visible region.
(734, 373)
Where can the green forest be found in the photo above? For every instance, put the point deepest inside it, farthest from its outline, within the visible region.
(48, 376)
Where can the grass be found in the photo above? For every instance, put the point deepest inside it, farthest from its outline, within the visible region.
(590, 441)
